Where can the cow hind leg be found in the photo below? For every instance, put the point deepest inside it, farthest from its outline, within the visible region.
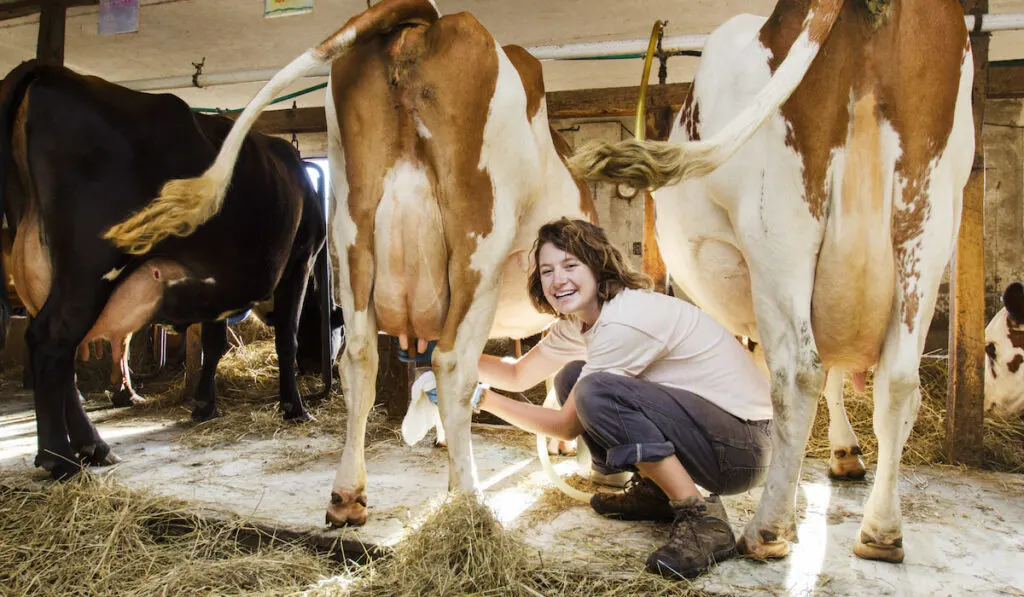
(67, 438)
(897, 392)
(288, 299)
(844, 461)
(358, 374)
(783, 310)
(215, 344)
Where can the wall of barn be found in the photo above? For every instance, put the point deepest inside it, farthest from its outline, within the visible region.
(621, 218)
(1003, 142)
(1004, 196)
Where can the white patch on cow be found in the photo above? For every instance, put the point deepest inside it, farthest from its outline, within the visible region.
(209, 280)
(176, 282)
(113, 274)
(709, 154)
(511, 170)
(343, 227)
(422, 130)
(695, 232)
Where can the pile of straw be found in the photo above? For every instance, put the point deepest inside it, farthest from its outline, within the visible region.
(1004, 439)
(462, 549)
(90, 536)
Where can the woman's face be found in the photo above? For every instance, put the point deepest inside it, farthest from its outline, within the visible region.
(569, 285)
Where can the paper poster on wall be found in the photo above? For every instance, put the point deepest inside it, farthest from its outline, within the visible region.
(118, 16)
(286, 8)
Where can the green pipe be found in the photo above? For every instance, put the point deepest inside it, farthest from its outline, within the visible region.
(283, 98)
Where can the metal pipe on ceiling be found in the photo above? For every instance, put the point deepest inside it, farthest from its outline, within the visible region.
(577, 51)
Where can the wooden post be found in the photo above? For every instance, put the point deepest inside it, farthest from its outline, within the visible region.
(193, 358)
(965, 392)
(659, 125)
(50, 44)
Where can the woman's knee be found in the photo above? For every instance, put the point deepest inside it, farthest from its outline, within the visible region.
(594, 390)
(566, 378)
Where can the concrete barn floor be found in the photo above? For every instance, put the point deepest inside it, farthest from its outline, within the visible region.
(964, 531)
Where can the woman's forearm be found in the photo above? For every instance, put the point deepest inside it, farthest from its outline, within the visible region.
(494, 371)
(560, 424)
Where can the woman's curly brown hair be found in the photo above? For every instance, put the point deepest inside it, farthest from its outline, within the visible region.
(590, 245)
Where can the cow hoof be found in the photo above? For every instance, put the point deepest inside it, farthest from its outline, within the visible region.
(769, 547)
(843, 464)
(97, 455)
(60, 468)
(303, 416)
(205, 413)
(868, 549)
(347, 509)
(124, 398)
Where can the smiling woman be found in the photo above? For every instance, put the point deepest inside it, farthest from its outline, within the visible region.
(651, 383)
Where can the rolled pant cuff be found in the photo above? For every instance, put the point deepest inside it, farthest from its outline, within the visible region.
(627, 455)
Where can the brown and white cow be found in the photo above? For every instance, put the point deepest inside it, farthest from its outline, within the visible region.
(1004, 346)
(810, 200)
(443, 166)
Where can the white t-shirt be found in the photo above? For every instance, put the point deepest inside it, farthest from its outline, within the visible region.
(668, 341)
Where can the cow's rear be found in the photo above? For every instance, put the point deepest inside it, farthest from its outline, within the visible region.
(385, 180)
(831, 225)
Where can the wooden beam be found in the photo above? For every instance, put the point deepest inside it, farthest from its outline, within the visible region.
(965, 392)
(50, 44)
(298, 120)
(1006, 79)
(193, 359)
(659, 125)
(24, 8)
(616, 102)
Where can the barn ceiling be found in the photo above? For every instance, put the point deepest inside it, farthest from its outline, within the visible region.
(233, 35)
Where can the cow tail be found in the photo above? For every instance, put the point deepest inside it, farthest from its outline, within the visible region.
(654, 164)
(12, 92)
(185, 204)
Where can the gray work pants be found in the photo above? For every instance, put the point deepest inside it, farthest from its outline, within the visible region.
(629, 420)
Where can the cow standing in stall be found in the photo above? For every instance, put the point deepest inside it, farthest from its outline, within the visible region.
(79, 154)
(811, 200)
(443, 168)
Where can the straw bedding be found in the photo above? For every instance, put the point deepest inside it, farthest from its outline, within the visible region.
(91, 536)
(1004, 439)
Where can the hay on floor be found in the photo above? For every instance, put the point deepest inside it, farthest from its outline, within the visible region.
(91, 536)
(1004, 439)
(247, 396)
(462, 549)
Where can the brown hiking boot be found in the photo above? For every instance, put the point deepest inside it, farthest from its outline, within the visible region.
(698, 540)
(641, 500)
(716, 508)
